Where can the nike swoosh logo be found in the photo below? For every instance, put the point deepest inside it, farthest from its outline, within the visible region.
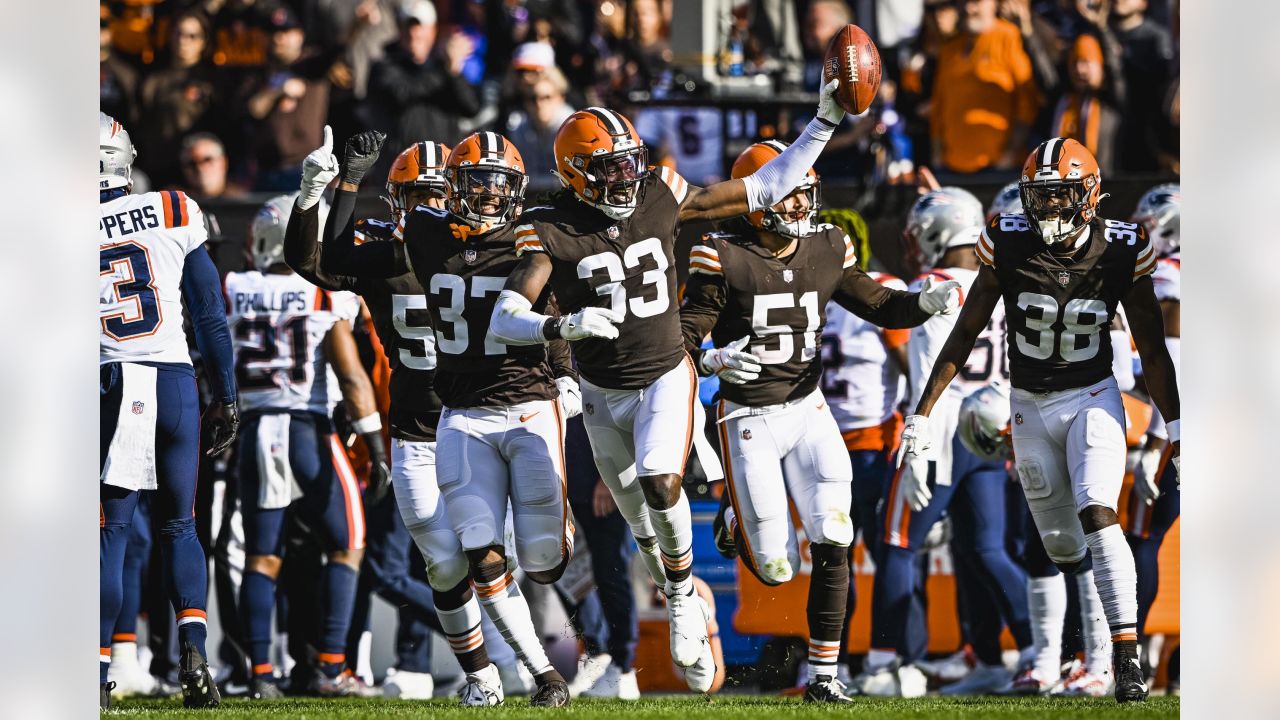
(1096, 393)
(525, 418)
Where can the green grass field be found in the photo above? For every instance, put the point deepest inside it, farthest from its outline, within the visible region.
(684, 707)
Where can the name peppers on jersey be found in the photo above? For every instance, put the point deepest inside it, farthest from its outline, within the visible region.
(627, 265)
(1059, 309)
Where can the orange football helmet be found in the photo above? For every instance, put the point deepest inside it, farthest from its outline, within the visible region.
(1061, 186)
(487, 180)
(798, 223)
(600, 156)
(416, 176)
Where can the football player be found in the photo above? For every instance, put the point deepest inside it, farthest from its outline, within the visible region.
(501, 435)
(759, 288)
(1062, 271)
(1156, 500)
(152, 261)
(400, 318)
(942, 230)
(606, 247)
(293, 345)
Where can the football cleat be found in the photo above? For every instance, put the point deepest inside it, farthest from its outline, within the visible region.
(104, 694)
(590, 669)
(1131, 685)
(950, 668)
(198, 688)
(1082, 683)
(702, 674)
(725, 543)
(615, 684)
(346, 684)
(482, 689)
(1030, 682)
(408, 685)
(824, 689)
(688, 617)
(264, 688)
(893, 680)
(550, 694)
(983, 680)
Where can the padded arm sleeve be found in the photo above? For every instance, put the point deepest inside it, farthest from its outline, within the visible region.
(514, 321)
(771, 183)
(202, 291)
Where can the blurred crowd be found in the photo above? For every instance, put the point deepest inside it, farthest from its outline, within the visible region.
(226, 97)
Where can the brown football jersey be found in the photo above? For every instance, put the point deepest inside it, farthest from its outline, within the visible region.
(463, 274)
(739, 289)
(627, 265)
(1059, 309)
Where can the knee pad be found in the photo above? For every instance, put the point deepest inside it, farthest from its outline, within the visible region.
(775, 570)
(447, 573)
(836, 529)
(474, 522)
(1064, 548)
(543, 551)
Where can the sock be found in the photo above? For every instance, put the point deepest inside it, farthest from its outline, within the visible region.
(339, 586)
(828, 594)
(104, 664)
(505, 604)
(257, 603)
(1117, 583)
(1047, 597)
(1093, 625)
(649, 555)
(674, 530)
(193, 627)
(460, 616)
(185, 562)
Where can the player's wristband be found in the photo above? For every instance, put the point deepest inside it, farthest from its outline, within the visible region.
(1174, 429)
(370, 423)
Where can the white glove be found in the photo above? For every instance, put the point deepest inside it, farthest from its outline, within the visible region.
(1146, 482)
(913, 484)
(590, 322)
(318, 170)
(828, 108)
(939, 298)
(731, 363)
(570, 396)
(915, 436)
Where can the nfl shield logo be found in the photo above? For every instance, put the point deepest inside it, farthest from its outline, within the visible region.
(787, 275)
(137, 407)
(613, 232)
(746, 434)
(1064, 277)
(469, 256)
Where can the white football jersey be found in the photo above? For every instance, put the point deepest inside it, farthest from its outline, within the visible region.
(278, 326)
(987, 361)
(861, 383)
(143, 241)
(1168, 278)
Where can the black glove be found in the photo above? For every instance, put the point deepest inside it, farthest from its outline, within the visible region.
(360, 155)
(222, 421)
(379, 470)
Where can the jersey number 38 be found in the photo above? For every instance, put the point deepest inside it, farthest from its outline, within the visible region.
(1079, 339)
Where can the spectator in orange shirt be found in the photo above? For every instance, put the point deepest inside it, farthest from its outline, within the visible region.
(984, 99)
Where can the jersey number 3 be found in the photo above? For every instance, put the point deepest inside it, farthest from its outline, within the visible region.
(1080, 317)
(613, 289)
(130, 265)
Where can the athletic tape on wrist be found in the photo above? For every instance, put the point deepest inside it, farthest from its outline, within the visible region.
(368, 424)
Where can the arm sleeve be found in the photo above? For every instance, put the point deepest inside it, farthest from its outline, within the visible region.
(704, 298)
(341, 254)
(781, 175)
(202, 292)
(861, 295)
(302, 250)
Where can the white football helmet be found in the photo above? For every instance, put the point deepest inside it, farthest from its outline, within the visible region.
(984, 421)
(1008, 200)
(115, 154)
(266, 232)
(1160, 212)
(944, 218)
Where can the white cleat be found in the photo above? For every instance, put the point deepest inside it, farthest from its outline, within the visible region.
(1082, 683)
(984, 680)
(590, 669)
(688, 616)
(408, 685)
(700, 675)
(950, 668)
(130, 678)
(615, 684)
(911, 682)
(482, 689)
(877, 682)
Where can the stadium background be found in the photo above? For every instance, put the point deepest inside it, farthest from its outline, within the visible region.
(637, 61)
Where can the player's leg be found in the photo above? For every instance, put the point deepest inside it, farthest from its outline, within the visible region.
(1147, 529)
(177, 468)
(534, 450)
(115, 514)
(387, 563)
(476, 484)
(127, 673)
(1096, 449)
(820, 481)
(1047, 608)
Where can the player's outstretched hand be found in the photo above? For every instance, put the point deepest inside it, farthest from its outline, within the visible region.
(1146, 477)
(914, 485)
(828, 109)
(360, 154)
(939, 298)
(223, 421)
(318, 170)
(731, 363)
(590, 322)
(570, 396)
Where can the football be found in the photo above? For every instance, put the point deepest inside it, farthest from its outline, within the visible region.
(853, 59)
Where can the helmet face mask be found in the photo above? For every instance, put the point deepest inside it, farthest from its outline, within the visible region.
(487, 195)
(403, 197)
(417, 177)
(614, 180)
(600, 157)
(801, 220)
(1057, 208)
